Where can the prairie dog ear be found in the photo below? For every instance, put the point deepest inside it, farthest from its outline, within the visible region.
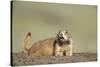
(29, 33)
(66, 31)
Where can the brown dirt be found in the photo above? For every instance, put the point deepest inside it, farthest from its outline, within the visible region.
(21, 58)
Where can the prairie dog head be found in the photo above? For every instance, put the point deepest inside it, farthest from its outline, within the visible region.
(63, 36)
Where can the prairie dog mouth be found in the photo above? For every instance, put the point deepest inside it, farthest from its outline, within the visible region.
(61, 37)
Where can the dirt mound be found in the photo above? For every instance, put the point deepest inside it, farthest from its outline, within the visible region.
(22, 59)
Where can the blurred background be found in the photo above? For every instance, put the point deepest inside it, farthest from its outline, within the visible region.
(44, 20)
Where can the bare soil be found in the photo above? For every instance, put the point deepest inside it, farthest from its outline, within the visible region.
(22, 59)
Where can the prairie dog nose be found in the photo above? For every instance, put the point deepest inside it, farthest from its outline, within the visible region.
(61, 34)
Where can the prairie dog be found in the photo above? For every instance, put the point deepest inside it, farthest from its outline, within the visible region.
(61, 45)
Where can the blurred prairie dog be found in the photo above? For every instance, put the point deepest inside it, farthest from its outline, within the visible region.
(61, 45)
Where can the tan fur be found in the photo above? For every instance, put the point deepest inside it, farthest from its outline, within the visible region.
(48, 47)
(64, 49)
(42, 48)
(27, 41)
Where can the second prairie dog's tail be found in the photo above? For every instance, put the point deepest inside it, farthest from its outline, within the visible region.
(27, 41)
